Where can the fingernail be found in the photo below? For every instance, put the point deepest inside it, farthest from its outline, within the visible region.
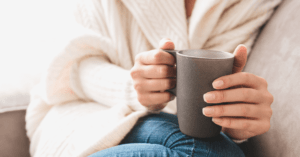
(218, 83)
(209, 97)
(217, 120)
(208, 111)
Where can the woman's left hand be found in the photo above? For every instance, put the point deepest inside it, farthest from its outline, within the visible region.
(248, 109)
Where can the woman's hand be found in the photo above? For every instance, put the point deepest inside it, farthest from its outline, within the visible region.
(248, 111)
(152, 74)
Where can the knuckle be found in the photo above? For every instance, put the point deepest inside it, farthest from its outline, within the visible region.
(157, 56)
(222, 96)
(138, 86)
(271, 98)
(163, 84)
(138, 57)
(163, 71)
(134, 73)
(246, 76)
(268, 97)
(168, 84)
(227, 81)
(264, 81)
(221, 111)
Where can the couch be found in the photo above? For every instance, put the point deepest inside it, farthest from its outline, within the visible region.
(275, 56)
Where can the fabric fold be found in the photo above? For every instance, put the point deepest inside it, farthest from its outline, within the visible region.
(71, 114)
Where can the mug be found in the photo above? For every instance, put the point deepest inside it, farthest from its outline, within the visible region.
(196, 70)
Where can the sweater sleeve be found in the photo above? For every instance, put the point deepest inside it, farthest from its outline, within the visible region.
(101, 78)
(107, 83)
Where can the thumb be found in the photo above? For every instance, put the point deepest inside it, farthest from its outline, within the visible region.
(240, 58)
(166, 44)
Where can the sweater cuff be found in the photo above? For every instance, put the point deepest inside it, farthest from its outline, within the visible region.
(107, 84)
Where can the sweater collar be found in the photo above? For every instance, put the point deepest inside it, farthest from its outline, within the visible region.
(167, 18)
(159, 19)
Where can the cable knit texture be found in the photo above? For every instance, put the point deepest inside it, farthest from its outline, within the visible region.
(85, 101)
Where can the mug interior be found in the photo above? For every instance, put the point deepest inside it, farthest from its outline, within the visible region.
(207, 54)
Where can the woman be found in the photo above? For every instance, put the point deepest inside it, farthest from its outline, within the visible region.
(99, 95)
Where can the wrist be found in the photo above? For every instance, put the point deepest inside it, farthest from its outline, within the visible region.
(237, 141)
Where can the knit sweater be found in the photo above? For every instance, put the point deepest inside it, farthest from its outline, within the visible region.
(85, 101)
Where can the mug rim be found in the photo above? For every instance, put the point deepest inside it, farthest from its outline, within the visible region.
(184, 55)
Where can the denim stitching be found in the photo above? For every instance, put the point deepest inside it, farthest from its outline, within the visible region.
(164, 141)
(167, 137)
(208, 150)
(193, 149)
(147, 140)
(194, 145)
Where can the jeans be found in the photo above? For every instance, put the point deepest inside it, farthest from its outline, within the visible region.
(158, 135)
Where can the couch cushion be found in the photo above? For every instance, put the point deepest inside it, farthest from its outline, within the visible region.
(276, 57)
(13, 139)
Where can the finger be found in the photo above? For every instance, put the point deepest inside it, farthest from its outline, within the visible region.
(154, 98)
(149, 85)
(166, 44)
(237, 123)
(235, 110)
(248, 95)
(240, 58)
(158, 71)
(155, 57)
(241, 78)
(257, 126)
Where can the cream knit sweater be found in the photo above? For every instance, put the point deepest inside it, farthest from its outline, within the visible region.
(85, 101)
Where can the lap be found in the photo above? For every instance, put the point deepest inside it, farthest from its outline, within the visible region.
(138, 150)
(159, 134)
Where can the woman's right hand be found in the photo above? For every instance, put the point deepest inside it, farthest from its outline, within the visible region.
(153, 73)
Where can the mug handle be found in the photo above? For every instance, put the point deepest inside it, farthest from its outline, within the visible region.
(173, 53)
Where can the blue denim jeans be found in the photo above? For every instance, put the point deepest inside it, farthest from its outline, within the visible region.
(158, 135)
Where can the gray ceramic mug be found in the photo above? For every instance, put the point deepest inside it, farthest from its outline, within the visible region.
(196, 70)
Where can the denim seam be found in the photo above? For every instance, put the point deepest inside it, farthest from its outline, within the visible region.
(208, 150)
(168, 136)
(164, 141)
(155, 128)
(140, 151)
(193, 149)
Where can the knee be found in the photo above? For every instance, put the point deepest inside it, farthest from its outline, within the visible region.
(219, 146)
(137, 149)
